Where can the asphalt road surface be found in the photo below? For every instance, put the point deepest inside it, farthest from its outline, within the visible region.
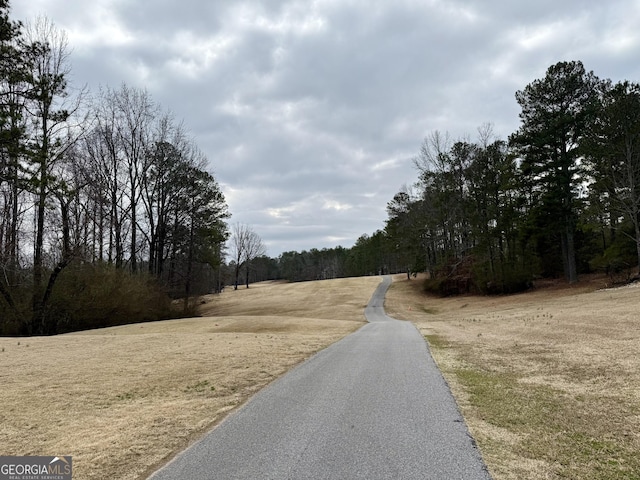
(371, 406)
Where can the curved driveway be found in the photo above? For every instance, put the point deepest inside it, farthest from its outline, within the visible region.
(371, 406)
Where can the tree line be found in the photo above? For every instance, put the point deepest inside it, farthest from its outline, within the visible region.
(559, 197)
(107, 209)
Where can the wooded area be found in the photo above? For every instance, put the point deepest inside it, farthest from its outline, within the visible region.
(559, 197)
(107, 208)
(108, 211)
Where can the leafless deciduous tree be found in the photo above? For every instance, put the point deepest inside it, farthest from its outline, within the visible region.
(245, 246)
(51, 108)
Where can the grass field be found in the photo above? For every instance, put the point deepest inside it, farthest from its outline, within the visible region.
(124, 400)
(548, 381)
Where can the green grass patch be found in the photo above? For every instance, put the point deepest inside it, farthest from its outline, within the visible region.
(504, 403)
(436, 341)
(430, 310)
(125, 396)
(581, 436)
(200, 387)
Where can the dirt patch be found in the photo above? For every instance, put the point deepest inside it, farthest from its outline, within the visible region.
(124, 400)
(548, 381)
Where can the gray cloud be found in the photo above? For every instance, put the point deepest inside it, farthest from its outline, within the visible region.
(310, 111)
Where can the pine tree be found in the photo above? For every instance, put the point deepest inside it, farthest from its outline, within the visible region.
(556, 110)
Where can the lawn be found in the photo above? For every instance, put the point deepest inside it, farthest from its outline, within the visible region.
(124, 400)
(548, 381)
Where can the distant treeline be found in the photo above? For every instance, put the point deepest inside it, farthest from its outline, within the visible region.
(108, 212)
(559, 197)
(365, 258)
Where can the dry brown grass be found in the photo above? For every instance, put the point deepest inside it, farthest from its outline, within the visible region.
(548, 381)
(123, 400)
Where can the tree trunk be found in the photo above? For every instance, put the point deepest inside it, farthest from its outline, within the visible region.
(39, 243)
(187, 285)
(237, 275)
(134, 239)
(636, 225)
(42, 324)
(571, 268)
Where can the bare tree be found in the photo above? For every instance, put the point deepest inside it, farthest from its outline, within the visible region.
(52, 135)
(121, 150)
(105, 150)
(138, 113)
(163, 184)
(254, 248)
(245, 246)
(237, 245)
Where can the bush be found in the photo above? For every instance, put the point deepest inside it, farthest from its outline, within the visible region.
(433, 285)
(91, 296)
(509, 281)
(452, 277)
(618, 261)
(12, 320)
(11, 324)
(471, 275)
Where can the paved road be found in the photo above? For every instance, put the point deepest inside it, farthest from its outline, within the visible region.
(372, 406)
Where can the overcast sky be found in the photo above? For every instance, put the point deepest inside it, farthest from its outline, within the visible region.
(310, 112)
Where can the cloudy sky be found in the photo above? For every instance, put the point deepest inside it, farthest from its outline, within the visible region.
(310, 111)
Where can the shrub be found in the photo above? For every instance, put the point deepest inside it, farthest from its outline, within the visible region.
(92, 296)
(452, 277)
(471, 275)
(508, 280)
(617, 261)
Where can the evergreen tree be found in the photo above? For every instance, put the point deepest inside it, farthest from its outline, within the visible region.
(13, 73)
(613, 150)
(556, 112)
